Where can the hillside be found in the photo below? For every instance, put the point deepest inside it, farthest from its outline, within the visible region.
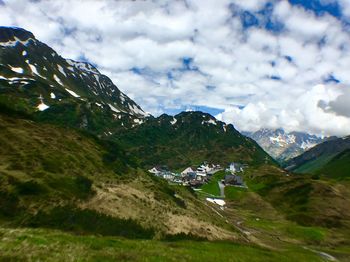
(190, 138)
(338, 166)
(58, 178)
(38, 81)
(317, 157)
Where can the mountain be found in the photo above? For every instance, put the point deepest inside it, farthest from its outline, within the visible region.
(190, 138)
(282, 145)
(36, 80)
(321, 157)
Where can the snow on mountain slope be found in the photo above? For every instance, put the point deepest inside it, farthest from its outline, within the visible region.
(30, 69)
(282, 145)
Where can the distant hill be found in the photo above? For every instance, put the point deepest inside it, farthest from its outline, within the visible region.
(282, 145)
(190, 138)
(326, 154)
(338, 166)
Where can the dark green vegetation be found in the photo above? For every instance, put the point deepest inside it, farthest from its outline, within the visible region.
(188, 139)
(328, 158)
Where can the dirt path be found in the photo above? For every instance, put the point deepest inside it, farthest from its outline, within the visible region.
(222, 189)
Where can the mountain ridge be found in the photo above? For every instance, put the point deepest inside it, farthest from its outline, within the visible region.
(282, 145)
(45, 81)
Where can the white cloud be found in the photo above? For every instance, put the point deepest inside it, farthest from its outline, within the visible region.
(230, 66)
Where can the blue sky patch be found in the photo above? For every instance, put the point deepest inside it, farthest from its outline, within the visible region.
(319, 7)
(331, 79)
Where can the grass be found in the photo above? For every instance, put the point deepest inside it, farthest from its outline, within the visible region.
(338, 167)
(234, 193)
(285, 228)
(49, 245)
(314, 165)
(212, 186)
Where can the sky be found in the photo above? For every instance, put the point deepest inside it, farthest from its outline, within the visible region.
(253, 63)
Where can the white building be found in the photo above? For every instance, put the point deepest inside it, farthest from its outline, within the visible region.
(187, 170)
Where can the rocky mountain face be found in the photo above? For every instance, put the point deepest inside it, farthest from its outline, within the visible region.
(188, 139)
(36, 80)
(318, 156)
(282, 145)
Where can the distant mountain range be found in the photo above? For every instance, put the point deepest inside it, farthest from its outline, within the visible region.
(282, 145)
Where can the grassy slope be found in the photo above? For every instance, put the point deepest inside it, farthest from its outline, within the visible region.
(307, 201)
(30, 184)
(314, 165)
(337, 167)
(49, 174)
(37, 244)
(212, 187)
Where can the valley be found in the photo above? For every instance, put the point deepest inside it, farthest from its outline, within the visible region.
(84, 169)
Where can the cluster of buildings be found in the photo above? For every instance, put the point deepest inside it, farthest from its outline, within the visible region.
(190, 176)
(233, 178)
(197, 176)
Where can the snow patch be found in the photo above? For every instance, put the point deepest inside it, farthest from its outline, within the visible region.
(60, 68)
(17, 69)
(217, 201)
(58, 80)
(122, 97)
(52, 95)
(113, 108)
(72, 92)
(42, 107)
(137, 111)
(173, 122)
(13, 43)
(138, 121)
(282, 140)
(307, 145)
(82, 66)
(33, 68)
(210, 121)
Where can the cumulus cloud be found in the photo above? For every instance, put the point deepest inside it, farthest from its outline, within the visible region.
(263, 63)
(340, 106)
